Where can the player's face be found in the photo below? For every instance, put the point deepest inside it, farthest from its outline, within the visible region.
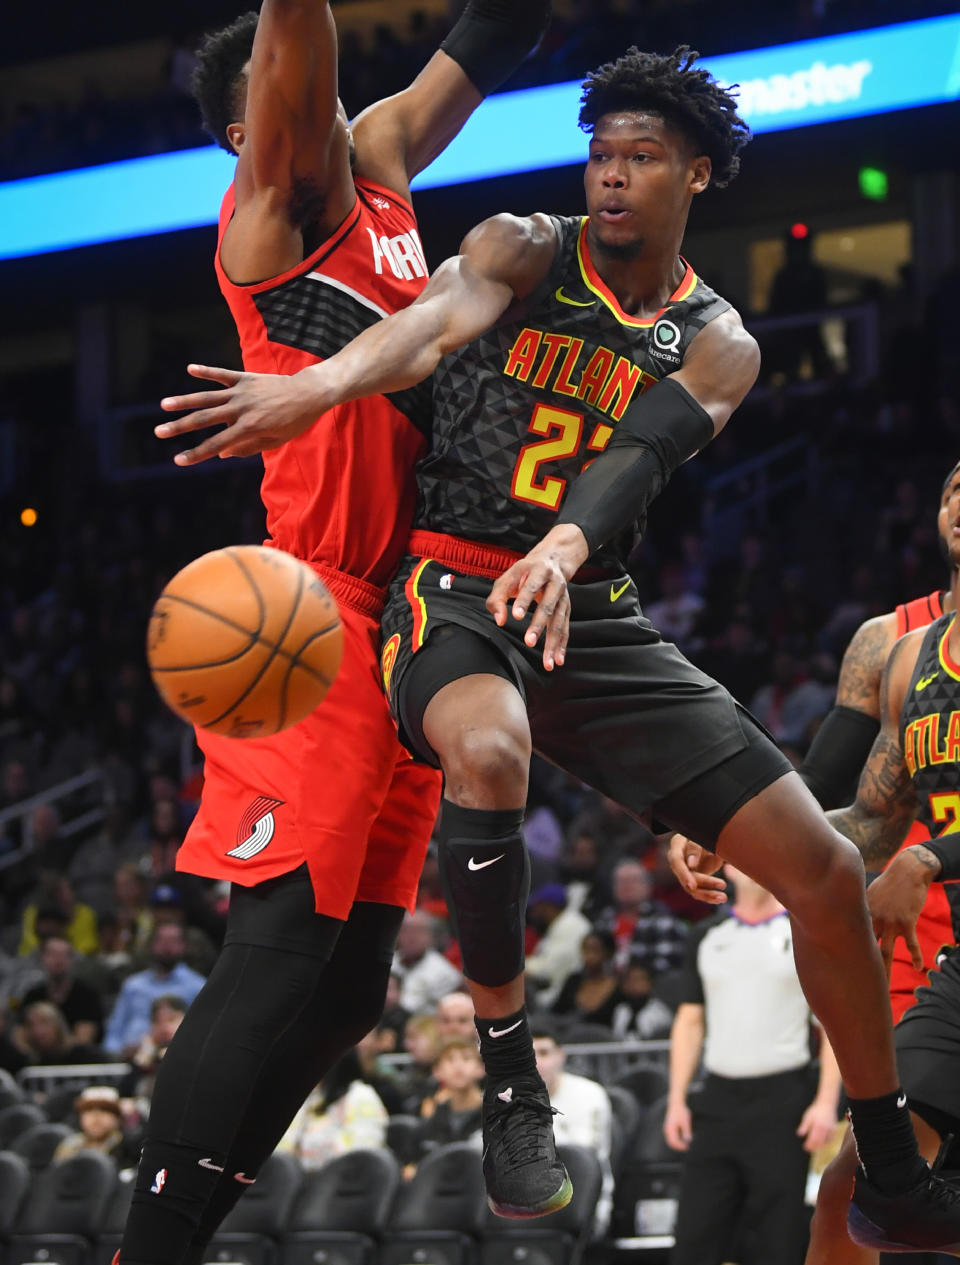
(639, 179)
(948, 521)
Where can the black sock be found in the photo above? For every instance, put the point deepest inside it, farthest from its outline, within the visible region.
(506, 1047)
(886, 1144)
(173, 1186)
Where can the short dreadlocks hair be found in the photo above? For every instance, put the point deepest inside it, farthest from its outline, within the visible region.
(689, 99)
(217, 81)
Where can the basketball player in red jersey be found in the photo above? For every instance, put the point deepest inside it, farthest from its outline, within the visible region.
(842, 744)
(538, 336)
(322, 829)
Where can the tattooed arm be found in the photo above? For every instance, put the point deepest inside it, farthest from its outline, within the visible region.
(886, 804)
(842, 743)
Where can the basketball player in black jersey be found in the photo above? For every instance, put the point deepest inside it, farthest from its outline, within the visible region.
(590, 355)
(913, 772)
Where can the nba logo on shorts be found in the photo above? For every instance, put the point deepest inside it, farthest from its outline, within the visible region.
(446, 581)
(159, 1182)
(388, 658)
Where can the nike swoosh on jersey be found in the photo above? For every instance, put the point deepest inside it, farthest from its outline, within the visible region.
(615, 593)
(559, 294)
(482, 865)
(925, 681)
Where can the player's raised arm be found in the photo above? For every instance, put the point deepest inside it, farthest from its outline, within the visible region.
(399, 136)
(886, 803)
(293, 144)
(502, 259)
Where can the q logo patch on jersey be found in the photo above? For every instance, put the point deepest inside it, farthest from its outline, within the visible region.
(666, 340)
(388, 658)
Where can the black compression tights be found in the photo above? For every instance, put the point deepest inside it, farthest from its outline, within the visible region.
(263, 1031)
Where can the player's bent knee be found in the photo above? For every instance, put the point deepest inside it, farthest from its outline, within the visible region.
(488, 756)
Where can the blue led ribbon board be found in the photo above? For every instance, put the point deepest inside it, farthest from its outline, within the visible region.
(791, 85)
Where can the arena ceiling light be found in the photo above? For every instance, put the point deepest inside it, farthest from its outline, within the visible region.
(788, 86)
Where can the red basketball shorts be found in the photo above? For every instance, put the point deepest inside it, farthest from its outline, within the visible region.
(337, 791)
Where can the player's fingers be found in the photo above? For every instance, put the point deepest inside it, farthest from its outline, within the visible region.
(553, 630)
(886, 952)
(548, 601)
(209, 411)
(504, 587)
(531, 589)
(913, 945)
(216, 446)
(228, 377)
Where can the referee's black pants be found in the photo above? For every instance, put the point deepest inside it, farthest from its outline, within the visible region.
(744, 1177)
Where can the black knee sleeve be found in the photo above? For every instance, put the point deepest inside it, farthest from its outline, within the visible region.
(485, 872)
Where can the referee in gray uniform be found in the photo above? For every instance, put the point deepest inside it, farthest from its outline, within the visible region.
(762, 1109)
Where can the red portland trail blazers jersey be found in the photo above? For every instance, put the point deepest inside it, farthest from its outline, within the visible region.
(519, 412)
(341, 494)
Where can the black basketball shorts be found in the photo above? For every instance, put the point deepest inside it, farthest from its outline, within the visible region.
(928, 1051)
(627, 713)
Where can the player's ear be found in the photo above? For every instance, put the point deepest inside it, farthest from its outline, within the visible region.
(236, 135)
(702, 167)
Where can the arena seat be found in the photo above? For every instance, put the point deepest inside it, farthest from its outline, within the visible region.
(342, 1209)
(561, 1238)
(110, 1231)
(438, 1216)
(63, 1212)
(250, 1232)
(403, 1137)
(16, 1119)
(14, 1180)
(624, 1123)
(646, 1082)
(38, 1144)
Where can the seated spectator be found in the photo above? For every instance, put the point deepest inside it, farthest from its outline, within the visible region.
(637, 1014)
(421, 1043)
(557, 954)
(342, 1114)
(452, 1114)
(131, 908)
(425, 975)
(44, 1037)
(394, 1016)
(99, 1113)
(130, 1019)
(55, 891)
(591, 994)
(584, 1113)
(584, 874)
(455, 1018)
(79, 1004)
(26, 970)
(170, 902)
(644, 931)
(166, 1013)
(12, 1057)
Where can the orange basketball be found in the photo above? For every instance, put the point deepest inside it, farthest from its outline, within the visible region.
(244, 641)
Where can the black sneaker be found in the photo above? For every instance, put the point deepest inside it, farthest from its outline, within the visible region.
(924, 1218)
(520, 1166)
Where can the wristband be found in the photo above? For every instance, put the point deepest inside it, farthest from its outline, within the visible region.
(492, 38)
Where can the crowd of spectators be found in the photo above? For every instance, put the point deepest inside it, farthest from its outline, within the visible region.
(110, 121)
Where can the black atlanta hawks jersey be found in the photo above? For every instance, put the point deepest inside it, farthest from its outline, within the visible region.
(930, 737)
(521, 410)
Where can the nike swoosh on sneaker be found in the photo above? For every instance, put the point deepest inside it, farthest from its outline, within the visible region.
(502, 1033)
(507, 1094)
(482, 865)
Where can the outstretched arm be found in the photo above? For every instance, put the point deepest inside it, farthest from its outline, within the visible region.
(503, 258)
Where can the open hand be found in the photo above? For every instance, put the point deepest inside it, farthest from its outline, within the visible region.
(895, 899)
(258, 411)
(696, 870)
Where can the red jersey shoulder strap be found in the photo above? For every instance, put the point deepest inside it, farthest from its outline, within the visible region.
(920, 612)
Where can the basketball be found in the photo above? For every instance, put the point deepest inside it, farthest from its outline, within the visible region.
(244, 641)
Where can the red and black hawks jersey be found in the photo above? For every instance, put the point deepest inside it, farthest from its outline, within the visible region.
(930, 738)
(519, 412)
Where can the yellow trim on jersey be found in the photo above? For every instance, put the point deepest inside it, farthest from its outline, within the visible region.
(608, 298)
(943, 654)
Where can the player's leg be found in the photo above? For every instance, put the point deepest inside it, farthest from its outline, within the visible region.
(253, 996)
(459, 702)
(346, 1004)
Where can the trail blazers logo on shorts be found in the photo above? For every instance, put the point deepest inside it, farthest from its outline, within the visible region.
(256, 828)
